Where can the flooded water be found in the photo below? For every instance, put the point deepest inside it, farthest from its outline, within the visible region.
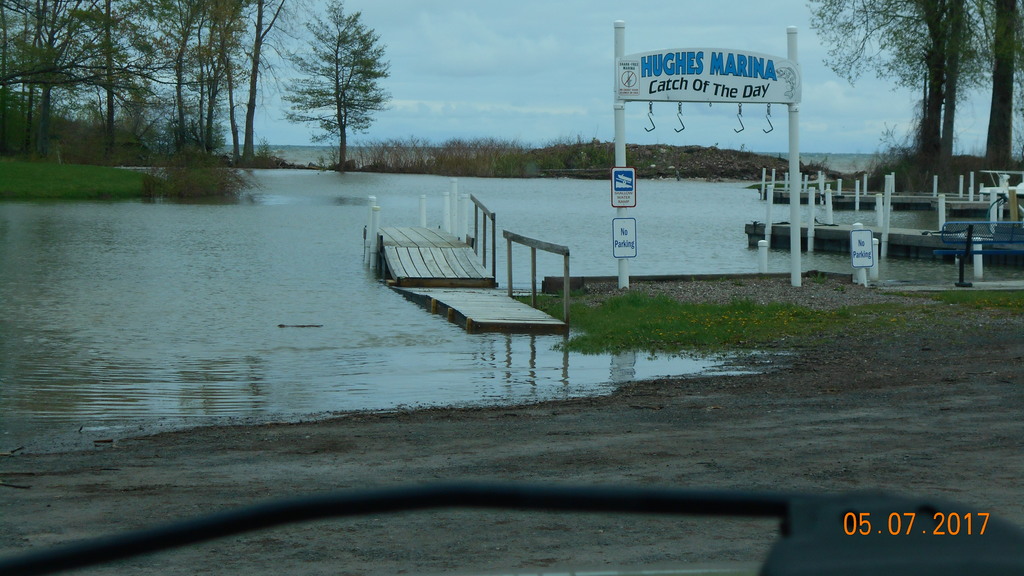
(129, 314)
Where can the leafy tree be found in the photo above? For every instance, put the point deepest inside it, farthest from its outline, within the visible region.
(341, 87)
(921, 44)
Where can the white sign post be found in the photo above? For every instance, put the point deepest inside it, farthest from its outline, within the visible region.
(624, 237)
(862, 254)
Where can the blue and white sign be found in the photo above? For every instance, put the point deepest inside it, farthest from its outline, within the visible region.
(707, 75)
(862, 254)
(624, 237)
(623, 187)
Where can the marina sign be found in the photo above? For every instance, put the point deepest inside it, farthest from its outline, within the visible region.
(707, 75)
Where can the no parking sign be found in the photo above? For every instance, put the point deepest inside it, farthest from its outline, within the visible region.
(862, 255)
(624, 237)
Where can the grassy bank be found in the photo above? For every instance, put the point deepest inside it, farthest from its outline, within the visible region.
(45, 181)
(579, 158)
(645, 323)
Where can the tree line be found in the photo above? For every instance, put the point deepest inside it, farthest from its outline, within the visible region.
(940, 49)
(114, 77)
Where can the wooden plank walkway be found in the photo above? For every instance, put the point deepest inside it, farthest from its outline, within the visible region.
(432, 258)
(484, 310)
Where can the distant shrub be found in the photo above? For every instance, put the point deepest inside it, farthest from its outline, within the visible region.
(193, 174)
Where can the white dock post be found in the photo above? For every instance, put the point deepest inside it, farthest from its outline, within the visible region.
(447, 222)
(873, 271)
(935, 185)
(812, 208)
(374, 226)
(979, 266)
(423, 210)
(829, 219)
(371, 201)
(960, 187)
(970, 191)
(762, 256)
(464, 222)
(878, 210)
(453, 197)
(856, 195)
(942, 210)
(764, 185)
(768, 212)
(890, 186)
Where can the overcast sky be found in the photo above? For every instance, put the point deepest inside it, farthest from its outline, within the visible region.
(542, 70)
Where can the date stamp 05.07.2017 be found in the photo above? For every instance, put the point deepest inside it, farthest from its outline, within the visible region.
(908, 523)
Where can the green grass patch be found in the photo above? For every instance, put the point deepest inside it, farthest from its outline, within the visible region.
(983, 299)
(654, 324)
(660, 324)
(45, 181)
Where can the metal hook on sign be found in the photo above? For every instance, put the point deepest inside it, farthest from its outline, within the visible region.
(739, 116)
(679, 115)
(650, 116)
(769, 118)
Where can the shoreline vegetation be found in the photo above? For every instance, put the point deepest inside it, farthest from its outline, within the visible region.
(197, 175)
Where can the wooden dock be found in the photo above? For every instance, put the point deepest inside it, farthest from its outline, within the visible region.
(442, 273)
(956, 206)
(484, 310)
(432, 258)
(903, 242)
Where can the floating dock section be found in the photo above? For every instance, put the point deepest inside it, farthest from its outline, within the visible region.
(440, 272)
(484, 310)
(427, 257)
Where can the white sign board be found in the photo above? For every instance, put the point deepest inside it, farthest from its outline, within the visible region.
(862, 254)
(623, 187)
(624, 237)
(707, 75)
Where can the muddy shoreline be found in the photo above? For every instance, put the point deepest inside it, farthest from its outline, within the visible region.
(915, 410)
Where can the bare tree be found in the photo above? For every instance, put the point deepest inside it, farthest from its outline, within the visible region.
(1004, 56)
(267, 14)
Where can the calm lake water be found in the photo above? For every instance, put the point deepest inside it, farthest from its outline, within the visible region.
(138, 315)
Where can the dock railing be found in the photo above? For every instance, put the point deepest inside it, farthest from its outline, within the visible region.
(478, 210)
(535, 245)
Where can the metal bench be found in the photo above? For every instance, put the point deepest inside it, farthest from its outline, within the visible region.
(993, 237)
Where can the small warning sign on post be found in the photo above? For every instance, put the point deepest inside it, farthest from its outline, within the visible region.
(624, 237)
(862, 254)
(623, 187)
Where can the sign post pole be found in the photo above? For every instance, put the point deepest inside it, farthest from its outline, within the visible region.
(620, 139)
(794, 173)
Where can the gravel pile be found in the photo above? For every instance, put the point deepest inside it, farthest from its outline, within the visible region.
(819, 293)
